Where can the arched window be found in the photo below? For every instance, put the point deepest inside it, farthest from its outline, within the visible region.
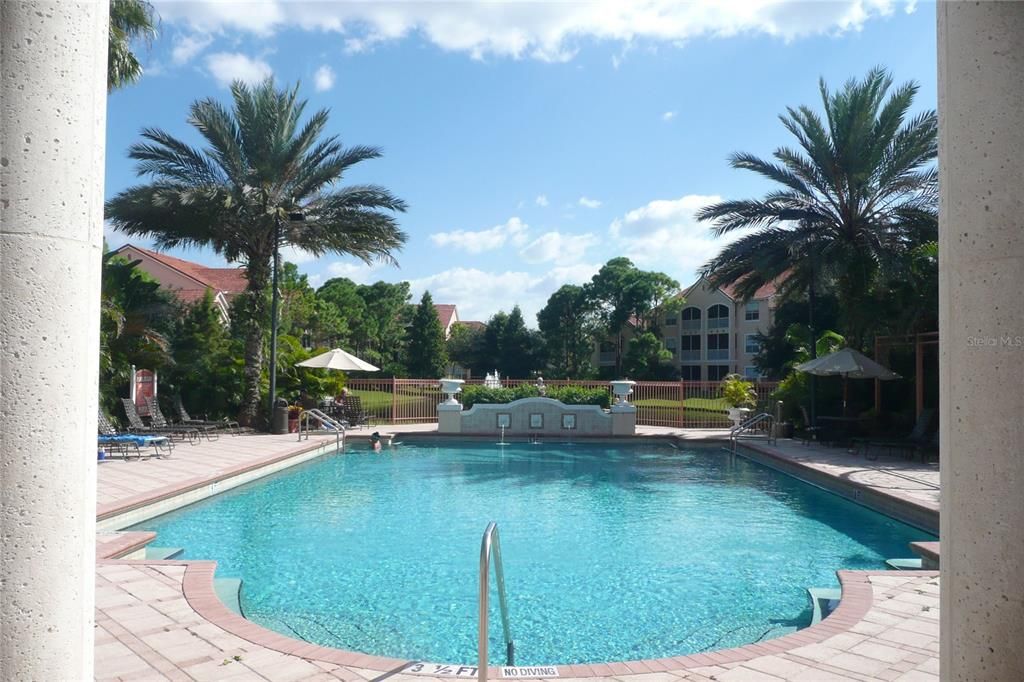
(691, 319)
(718, 316)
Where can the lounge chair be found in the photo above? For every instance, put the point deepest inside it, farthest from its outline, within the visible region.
(808, 433)
(136, 425)
(125, 444)
(157, 419)
(918, 440)
(188, 420)
(352, 411)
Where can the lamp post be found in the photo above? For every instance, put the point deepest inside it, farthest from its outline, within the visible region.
(275, 303)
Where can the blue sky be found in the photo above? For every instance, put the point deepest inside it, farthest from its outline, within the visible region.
(532, 141)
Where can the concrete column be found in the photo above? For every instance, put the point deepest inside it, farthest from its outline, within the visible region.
(52, 119)
(981, 294)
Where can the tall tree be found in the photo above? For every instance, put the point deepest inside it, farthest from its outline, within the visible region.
(859, 192)
(521, 350)
(130, 21)
(265, 180)
(427, 356)
(567, 325)
(621, 295)
(491, 352)
(388, 314)
(207, 370)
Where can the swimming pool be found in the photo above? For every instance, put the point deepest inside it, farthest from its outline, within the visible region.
(611, 551)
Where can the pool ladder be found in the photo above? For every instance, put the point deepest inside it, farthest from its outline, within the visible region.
(325, 421)
(491, 544)
(763, 423)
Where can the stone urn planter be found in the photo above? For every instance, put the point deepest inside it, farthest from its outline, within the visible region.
(450, 387)
(738, 414)
(622, 389)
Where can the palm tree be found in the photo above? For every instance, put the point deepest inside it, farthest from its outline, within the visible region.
(129, 20)
(260, 168)
(857, 196)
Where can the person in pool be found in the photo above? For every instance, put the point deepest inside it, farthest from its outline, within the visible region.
(375, 444)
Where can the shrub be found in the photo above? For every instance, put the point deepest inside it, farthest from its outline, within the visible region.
(570, 395)
(579, 395)
(738, 392)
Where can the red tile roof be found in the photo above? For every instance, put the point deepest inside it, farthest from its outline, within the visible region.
(766, 290)
(473, 324)
(230, 281)
(445, 311)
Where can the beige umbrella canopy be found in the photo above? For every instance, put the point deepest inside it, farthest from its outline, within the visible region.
(849, 364)
(338, 359)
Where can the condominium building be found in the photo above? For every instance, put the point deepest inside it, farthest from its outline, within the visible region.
(714, 334)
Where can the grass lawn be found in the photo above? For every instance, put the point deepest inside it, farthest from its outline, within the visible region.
(706, 404)
(379, 402)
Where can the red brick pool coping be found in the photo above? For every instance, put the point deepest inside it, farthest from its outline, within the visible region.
(198, 589)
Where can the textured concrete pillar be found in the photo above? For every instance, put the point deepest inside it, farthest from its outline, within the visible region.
(52, 120)
(981, 292)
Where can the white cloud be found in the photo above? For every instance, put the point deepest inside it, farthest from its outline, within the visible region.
(668, 116)
(357, 271)
(545, 31)
(557, 247)
(226, 67)
(589, 203)
(292, 254)
(188, 47)
(513, 231)
(541, 200)
(664, 233)
(323, 79)
(479, 294)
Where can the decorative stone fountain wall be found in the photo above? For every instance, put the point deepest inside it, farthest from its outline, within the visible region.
(536, 416)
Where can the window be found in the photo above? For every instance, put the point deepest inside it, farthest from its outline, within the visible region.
(606, 352)
(691, 319)
(750, 372)
(718, 346)
(607, 346)
(671, 344)
(751, 345)
(670, 320)
(718, 317)
(753, 311)
(689, 348)
(690, 372)
(717, 372)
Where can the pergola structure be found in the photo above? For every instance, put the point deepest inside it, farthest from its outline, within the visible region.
(53, 100)
(883, 344)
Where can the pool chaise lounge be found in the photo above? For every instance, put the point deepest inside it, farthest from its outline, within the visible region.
(136, 425)
(125, 443)
(157, 419)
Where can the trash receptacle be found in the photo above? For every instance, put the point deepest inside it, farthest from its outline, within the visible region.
(279, 421)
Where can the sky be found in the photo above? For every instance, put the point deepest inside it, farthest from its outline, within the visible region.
(533, 141)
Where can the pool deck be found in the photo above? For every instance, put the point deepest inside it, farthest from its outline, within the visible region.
(161, 620)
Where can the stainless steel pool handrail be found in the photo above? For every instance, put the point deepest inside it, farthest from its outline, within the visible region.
(325, 420)
(764, 419)
(491, 544)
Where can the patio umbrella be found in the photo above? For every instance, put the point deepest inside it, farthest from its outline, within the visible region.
(338, 359)
(848, 364)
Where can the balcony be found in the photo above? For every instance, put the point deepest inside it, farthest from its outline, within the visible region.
(690, 325)
(718, 354)
(715, 323)
(689, 355)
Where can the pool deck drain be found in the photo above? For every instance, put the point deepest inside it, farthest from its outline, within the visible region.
(160, 620)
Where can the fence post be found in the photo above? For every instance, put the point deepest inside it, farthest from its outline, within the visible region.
(394, 400)
(682, 407)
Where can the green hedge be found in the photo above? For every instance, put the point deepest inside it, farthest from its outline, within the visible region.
(570, 395)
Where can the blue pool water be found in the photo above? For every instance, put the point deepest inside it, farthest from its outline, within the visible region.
(611, 552)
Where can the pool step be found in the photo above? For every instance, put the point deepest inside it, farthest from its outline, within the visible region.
(162, 553)
(229, 591)
(904, 564)
(823, 601)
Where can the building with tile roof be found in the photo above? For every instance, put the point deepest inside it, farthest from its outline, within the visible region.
(189, 281)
